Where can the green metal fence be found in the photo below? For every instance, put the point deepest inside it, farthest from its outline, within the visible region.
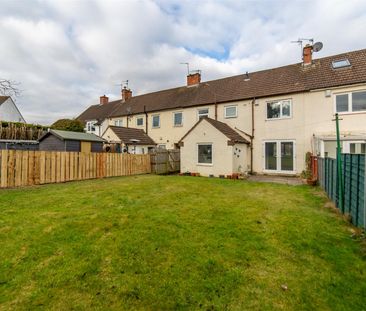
(353, 185)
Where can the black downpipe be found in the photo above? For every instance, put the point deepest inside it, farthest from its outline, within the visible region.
(252, 138)
(146, 120)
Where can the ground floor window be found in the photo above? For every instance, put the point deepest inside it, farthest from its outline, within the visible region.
(279, 156)
(204, 153)
(357, 148)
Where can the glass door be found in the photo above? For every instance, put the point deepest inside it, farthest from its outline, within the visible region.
(279, 156)
(271, 156)
(287, 156)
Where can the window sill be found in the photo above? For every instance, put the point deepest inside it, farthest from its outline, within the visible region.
(155, 127)
(181, 125)
(351, 112)
(204, 164)
(276, 119)
(230, 117)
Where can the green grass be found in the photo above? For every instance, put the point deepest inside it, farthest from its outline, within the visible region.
(176, 243)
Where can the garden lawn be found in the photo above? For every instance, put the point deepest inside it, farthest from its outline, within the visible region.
(177, 243)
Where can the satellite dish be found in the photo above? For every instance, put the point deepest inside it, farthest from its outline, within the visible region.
(317, 46)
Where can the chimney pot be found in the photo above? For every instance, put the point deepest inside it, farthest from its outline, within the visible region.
(307, 54)
(126, 94)
(103, 100)
(194, 78)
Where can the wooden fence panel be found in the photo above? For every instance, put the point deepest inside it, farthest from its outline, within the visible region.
(165, 161)
(26, 168)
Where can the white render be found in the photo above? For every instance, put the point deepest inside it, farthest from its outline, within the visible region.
(226, 159)
(312, 117)
(9, 112)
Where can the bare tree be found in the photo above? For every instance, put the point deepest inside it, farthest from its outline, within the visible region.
(9, 87)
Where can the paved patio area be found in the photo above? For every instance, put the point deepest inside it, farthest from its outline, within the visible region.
(276, 179)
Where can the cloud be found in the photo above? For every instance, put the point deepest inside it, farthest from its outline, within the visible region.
(68, 53)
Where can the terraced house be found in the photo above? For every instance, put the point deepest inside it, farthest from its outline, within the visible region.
(277, 115)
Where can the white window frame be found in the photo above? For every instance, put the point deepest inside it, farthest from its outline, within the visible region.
(350, 107)
(90, 125)
(118, 122)
(162, 146)
(236, 111)
(203, 115)
(152, 121)
(281, 117)
(278, 141)
(346, 145)
(212, 157)
(140, 117)
(174, 113)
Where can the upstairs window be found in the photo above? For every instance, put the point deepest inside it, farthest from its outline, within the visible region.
(90, 126)
(117, 122)
(140, 121)
(280, 109)
(231, 112)
(178, 118)
(202, 113)
(156, 121)
(351, 102)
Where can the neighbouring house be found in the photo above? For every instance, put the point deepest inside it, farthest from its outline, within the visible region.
(212, 147)
(9, 111)
(96, 117)
(56, 140)
(284, 112)
(129, 140)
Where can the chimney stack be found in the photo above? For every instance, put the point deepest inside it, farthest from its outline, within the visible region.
(307, 54)
(103, 100)
(126, 94)
(194, 78)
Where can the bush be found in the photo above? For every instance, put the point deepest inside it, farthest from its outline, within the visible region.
(73, 125)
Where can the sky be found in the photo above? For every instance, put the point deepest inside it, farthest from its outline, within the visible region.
(65, 54)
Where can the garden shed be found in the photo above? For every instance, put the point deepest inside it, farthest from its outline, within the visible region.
(212, 147)
(57, 140)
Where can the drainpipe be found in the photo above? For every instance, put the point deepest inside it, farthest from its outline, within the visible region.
(146, 120)
(252, 138)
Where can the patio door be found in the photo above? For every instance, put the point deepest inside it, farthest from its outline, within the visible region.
(279, 156)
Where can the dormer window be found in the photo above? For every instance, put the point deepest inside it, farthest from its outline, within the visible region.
(342, 63)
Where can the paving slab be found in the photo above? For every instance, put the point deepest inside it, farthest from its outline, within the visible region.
(288, 180)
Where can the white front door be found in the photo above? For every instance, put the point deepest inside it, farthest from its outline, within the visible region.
(279, 156)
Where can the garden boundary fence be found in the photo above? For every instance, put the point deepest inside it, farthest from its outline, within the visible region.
(27, 168)
(353, 185)
(165, 161)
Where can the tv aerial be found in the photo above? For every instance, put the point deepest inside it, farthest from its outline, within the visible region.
(187, 64)
(123, 84)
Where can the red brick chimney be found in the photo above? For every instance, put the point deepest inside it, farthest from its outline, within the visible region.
(194, 78)
(307, 54)
(103, 100)
(126, 94)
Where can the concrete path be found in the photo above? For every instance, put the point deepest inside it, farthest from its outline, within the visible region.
(294, 181)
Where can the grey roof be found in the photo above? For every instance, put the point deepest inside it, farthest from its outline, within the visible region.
(68, 135)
